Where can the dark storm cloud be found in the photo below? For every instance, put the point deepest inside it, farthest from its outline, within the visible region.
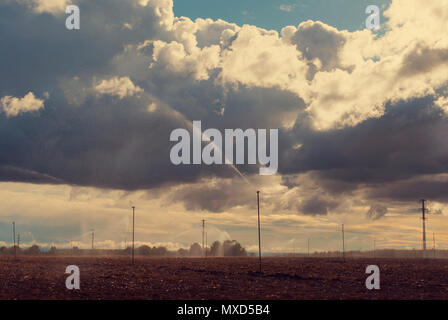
(9, 173)
(318, 205)
(82, 138)
(427, 187)
(214, 197)
(408, 140)
(106, 142)
(399, 156)
(37, 49)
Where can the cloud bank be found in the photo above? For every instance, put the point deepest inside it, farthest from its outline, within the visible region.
(360, 113)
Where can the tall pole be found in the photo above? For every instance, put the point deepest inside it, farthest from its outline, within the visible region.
(424, 229)
(308, 247)
(259, 233)
(343, 243)
(203, 237)
(14, 236)
(133, 230)
(93, 237)
(434, 244)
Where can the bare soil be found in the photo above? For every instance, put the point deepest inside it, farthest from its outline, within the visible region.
(221, 278)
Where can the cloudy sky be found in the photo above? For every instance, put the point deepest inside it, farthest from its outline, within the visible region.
(86, 116)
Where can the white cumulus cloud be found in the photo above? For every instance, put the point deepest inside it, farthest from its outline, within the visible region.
(121, 87)
(14, 106)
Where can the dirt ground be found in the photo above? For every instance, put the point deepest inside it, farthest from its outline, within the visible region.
(221, 278)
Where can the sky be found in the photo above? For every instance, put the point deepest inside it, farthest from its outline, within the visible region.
(86, 117)
(274, 15)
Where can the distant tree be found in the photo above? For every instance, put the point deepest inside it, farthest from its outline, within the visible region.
(144, 250)
(160, 251)
(33, 250)
(3, 250)
(52, 250)
(182, 252)
(195, 250)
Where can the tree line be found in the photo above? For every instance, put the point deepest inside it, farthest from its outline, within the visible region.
(228, 248)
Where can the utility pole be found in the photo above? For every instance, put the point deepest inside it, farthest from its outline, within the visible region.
(424, 229)
(259, 233)
(14, 236)
(343, 243)
(203, 237)
(434, 244)
(133, 229)
(93, 237)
